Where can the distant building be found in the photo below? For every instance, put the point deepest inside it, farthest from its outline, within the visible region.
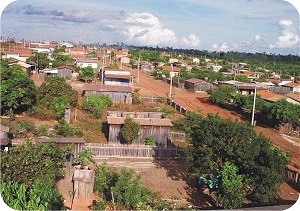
(62, 72)
(173, 60)
(196, 60)
(215, 68)
(195, 85)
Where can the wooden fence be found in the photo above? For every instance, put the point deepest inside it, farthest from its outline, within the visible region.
(152, 99)
(293, 177)
(131, 151)
(178, 107)
(176, 136)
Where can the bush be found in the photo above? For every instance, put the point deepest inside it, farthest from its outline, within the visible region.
(42, 130)
(95, 105)
(67, 130)
(150, 141)
(136, 99)
(130, 130)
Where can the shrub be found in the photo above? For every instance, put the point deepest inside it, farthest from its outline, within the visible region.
(130, 130)
(67, 130)
(95, 105)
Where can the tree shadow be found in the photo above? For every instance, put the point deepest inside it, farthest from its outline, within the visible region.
(105, 129)
(176, 169)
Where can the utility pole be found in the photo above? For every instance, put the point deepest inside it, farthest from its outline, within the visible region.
(171, 81)
(253, 110)
(139, 68)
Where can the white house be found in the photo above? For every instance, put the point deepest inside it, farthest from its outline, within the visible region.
(196, 60)
(173, 60)
(215, 68)
(82, 63)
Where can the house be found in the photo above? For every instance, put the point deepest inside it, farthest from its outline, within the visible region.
(122, 53)
(28, 68)
(215, 68)
(84, 62)
(249, 88)
(78, 143)
(174, 71)
(125, 60)
(195, 85)
(118, 94)
(294, 87)
(156, 127)
(293, 98)
(270, 96)
(62, 72)
(173, 60)
(116, 77)
(196, 60)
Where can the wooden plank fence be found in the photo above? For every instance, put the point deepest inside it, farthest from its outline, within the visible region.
(293, 177)
(151, 99)
(176, 136)
(178, 107)
(131, 151)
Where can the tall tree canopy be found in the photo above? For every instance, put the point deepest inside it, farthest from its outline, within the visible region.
(215, 141)
(53, 96)
(17, 90)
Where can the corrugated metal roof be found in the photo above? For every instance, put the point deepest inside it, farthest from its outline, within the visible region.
(59, 140)
(141, 121)
(117, 76)
(195, 80)
(106, 88)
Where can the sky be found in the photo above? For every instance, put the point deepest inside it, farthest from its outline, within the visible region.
(270, 26)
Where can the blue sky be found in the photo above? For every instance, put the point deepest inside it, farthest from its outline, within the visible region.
(214, 25)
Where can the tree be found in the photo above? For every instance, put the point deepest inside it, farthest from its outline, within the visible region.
(231, 194)
(223, 95)
(130, 130)
(87, 74)
(28, 175)
(284, 112)
(28, 162)
(128, 193)
(18, 92)
(41, 59)
(95, 105)
(215, 141)
(53, 96)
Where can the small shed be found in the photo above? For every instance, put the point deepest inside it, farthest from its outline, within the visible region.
(118, 94)
(196, 84)
(83, 183)
(64, 141)
(149, 127)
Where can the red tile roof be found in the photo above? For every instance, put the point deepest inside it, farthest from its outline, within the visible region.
(169, 68)
(292, 84)
(270, 96)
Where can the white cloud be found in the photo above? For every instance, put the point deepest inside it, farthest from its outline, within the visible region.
(223, 47)
(191, 41)
(146, 29)
(285, 22)
(288, 38)
(257, 37)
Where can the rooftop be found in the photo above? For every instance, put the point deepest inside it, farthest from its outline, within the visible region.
(106, 88)
(141, 121)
